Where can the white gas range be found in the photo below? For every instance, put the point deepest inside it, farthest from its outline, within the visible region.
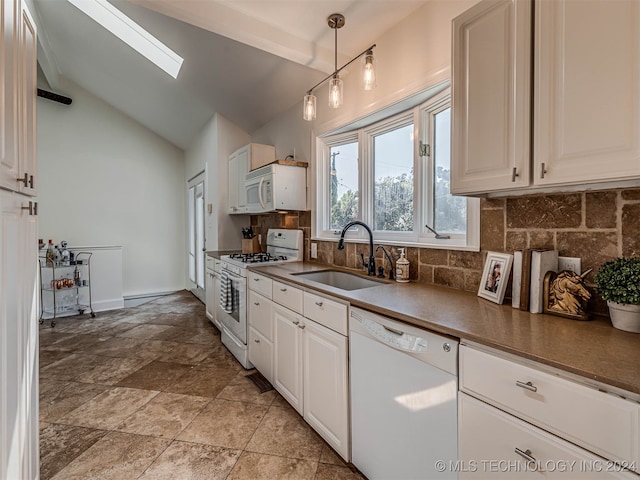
(282, 246)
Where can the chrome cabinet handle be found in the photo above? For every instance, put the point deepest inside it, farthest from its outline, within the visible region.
(319, 304)
(31, 181)
(296, 322)
(542, 170)
(256, 279)
(528, 386)
(256, 303)
(257, 340)
(302, 326)
(526, 454)
(283, 289)
(514, 174)
(32, 207)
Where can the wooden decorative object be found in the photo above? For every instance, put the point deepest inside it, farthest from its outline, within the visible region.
(566, 295)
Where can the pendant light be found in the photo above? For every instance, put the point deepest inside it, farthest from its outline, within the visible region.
(336, 21)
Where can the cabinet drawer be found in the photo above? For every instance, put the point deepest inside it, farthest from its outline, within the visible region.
(259, 283)
(288, 296)
(601, 422)
(487, 448)
(260, 314)
(261, 353)
(326, 312)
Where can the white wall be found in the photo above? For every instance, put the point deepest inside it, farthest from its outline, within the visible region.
(210, 151)
(107, 180)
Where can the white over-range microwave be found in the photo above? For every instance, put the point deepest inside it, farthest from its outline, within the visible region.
(276, 187)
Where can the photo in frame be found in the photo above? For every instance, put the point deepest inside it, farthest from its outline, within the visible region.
(495, 277)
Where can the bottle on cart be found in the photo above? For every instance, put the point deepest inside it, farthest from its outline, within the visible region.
(64, 254)
(50, 254)
(57, 256)
(76, 277)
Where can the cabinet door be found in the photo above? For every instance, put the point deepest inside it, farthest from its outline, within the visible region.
(19, 297)
(586, 91)
(238, 167)
(209, 287)
(491, 97)
(9, 97)
(287, 373)
(260, 314)
(326, 404)
(261, 353)
(28, 95)
(488, 439)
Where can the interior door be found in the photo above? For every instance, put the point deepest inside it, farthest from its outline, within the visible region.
(195, 234)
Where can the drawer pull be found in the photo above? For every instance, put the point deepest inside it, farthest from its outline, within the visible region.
(319, 304)
(296, 322)
(526, 454)
(389, 329)
(528, 385)
(302, 326)
(256, 279)
(283, 289)
(256, 303)
(257, 340)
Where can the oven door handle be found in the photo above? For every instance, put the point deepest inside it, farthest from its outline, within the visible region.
(233, 276)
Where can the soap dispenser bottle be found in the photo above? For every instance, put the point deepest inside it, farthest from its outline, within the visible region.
(402, 268)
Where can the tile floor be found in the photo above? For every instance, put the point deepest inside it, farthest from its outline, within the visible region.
(150, 392)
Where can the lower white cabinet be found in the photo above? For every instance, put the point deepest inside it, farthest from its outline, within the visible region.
(494, 444)
(306, 360)
(212, 292)
(524, 417)
(288, 327)
(326, 384)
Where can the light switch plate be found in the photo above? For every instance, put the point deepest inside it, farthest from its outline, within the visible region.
(570, 263)
(314, 250)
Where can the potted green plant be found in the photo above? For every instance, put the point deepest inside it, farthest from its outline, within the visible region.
(618, 282)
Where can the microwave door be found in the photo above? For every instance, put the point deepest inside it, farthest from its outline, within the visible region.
(260, 190)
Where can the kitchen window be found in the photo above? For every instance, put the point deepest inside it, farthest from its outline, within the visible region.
(394, 175)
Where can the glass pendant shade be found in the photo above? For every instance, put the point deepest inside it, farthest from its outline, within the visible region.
(335, 92)
(309, 107)
(369, 73)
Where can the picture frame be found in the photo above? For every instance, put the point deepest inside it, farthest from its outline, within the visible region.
(495, 276)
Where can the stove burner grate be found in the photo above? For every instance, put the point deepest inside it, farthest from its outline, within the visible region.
(257, 257)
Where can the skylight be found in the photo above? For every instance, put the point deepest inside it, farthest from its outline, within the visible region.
(131, 33)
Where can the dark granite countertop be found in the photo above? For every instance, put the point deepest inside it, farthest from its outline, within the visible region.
(592, 349)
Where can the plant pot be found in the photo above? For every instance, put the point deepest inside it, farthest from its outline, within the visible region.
(625, 317)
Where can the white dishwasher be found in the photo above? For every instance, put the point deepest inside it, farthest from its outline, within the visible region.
(404, 388)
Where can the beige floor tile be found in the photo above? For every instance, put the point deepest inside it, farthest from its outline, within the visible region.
(144, 332)
(61, 444)
(47, 357)
(283, 432)
(206, 336)
(256, 466)
(116, 456)
(75, 343)
(187, 353)
(330, 456)
(279, 401)
(109, 409)
(109, 370)
(131, 347)
(241, 389)
(203, 382)
(192, 461)
(166, 415)
(156, 376)
(71, 367)
(335, 472)
(225, 424)
(221, 357)
(57, 399)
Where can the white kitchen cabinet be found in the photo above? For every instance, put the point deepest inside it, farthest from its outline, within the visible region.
(326, 397)
(260, 343)
(18, 92)
(241, 161)
(19, 297)
(288, 367)
(584, 415)
(542, 455)
(587, 91)
(209, 287)
(491, 97)
(585, 96)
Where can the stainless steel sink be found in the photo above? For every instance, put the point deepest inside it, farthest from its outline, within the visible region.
(339, 279)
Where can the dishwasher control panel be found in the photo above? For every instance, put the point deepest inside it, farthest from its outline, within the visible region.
(395, 338)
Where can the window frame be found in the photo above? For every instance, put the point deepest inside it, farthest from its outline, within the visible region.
(422, 117)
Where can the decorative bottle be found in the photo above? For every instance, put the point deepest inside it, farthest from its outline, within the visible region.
(50, 254)
(402, 268)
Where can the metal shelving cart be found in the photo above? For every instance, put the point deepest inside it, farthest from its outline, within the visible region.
(65, 288)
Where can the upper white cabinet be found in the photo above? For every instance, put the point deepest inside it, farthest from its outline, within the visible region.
(491, 97)
(18, 98)
(585, 95)
(587, 91)
(241, 161)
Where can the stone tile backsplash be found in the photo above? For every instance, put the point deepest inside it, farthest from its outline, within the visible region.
(595, 226)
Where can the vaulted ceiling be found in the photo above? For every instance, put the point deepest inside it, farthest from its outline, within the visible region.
(249, 60)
